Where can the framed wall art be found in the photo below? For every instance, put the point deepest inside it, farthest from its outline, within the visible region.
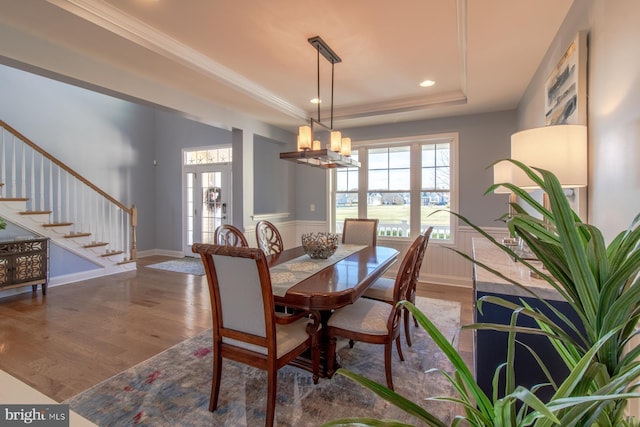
(566, 86)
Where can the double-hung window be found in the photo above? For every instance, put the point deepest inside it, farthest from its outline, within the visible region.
(408, 185)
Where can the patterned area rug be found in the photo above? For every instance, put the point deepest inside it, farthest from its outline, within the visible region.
(183, 265)
(172, 388)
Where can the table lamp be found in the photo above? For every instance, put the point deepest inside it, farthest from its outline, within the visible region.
(561, 149)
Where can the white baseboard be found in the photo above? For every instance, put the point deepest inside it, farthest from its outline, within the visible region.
(75, 277)
(161, 252)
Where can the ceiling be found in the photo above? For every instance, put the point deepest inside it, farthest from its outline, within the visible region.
(252, 56)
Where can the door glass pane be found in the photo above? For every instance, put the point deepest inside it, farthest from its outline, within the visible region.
(211, 190)
(190, 209)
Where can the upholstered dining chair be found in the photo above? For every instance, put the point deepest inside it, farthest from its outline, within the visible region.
(229, 235)
(375, 322)
(245, 326)
(268, 238)
(382, 289)
(360, 231)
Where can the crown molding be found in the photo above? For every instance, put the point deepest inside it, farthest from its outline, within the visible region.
(399, 106)
(142, 34)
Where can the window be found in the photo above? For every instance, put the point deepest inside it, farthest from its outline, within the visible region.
(407, 186)
(208, 156)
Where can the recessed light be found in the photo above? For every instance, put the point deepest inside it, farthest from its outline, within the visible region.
(316, 101)
(427, 83)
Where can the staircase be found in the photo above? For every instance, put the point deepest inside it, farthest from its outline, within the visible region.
(43, 195)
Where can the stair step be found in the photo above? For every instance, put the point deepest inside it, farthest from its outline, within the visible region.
(111, 254)
(57, 224)
(128, 261)
(95, 245)
(14, 199)
(35, 213)
(74, 235)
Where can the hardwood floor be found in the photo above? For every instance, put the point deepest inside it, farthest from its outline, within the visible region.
(82, 333)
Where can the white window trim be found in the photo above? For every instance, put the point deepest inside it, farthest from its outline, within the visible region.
(413, 141)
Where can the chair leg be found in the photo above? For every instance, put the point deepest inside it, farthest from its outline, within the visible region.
(315, 360)
(351, 343)
(215, 381)
(272, 379)
(413, 301)
(399, 349)
(407, 331)
(331, 357)
(387, 364)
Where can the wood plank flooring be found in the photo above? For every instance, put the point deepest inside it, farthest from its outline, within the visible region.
(83, 333)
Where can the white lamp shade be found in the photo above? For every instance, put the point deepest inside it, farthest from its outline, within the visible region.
(304, 138)
(336, 141)
(345, 148)
(502, 173)
(560, 149)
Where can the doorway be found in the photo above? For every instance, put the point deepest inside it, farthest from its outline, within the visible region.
(207, 201)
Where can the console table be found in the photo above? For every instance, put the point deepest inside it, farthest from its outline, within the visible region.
(23, 263)
(491, 346)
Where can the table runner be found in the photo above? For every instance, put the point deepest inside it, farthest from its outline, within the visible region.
(287, 274)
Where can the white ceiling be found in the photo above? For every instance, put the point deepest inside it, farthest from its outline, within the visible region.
(252, 56)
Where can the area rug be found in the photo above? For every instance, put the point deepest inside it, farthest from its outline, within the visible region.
(172, 388)
(183, 265)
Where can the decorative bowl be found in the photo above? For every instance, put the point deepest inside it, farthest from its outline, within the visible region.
(320, 245)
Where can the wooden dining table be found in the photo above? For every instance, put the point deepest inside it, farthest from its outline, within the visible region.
(333, 286)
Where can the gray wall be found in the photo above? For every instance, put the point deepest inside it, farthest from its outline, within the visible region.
(273, 179)
(613, 106)
(173, 133)
(102, 138)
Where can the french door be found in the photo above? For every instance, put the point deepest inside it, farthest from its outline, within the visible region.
(207, 202)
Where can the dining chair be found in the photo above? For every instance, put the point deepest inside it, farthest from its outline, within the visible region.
(375, 322)
(360, 231)
(268, 238)
(382, 288)
(245, 326)
(229, 235)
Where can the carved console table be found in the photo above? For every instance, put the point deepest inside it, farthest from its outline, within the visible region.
(24, 263)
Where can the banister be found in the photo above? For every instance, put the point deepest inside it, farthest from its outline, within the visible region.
(109, 218)
(64, 167)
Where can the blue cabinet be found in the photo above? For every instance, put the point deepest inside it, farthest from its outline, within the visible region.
(490, 347)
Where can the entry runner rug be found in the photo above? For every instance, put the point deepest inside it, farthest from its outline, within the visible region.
(182, 265)
(172, 388)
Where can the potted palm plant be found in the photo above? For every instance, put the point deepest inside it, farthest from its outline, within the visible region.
(602, 284)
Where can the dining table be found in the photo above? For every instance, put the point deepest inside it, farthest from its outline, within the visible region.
(324, 285)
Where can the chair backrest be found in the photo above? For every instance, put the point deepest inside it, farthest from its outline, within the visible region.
(360, 231)
(229, 235)
(420, 257)
(268, 238)
(240, 289)
(405, 275)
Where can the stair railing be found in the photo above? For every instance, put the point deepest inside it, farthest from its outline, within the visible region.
(48, 185)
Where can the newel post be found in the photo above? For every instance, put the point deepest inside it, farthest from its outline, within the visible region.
(134, 224)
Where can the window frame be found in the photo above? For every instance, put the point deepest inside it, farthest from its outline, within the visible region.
(415, 143)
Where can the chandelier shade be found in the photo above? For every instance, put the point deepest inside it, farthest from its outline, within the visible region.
(337, 150)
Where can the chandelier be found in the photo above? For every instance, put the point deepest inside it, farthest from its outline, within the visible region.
(336, 151)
